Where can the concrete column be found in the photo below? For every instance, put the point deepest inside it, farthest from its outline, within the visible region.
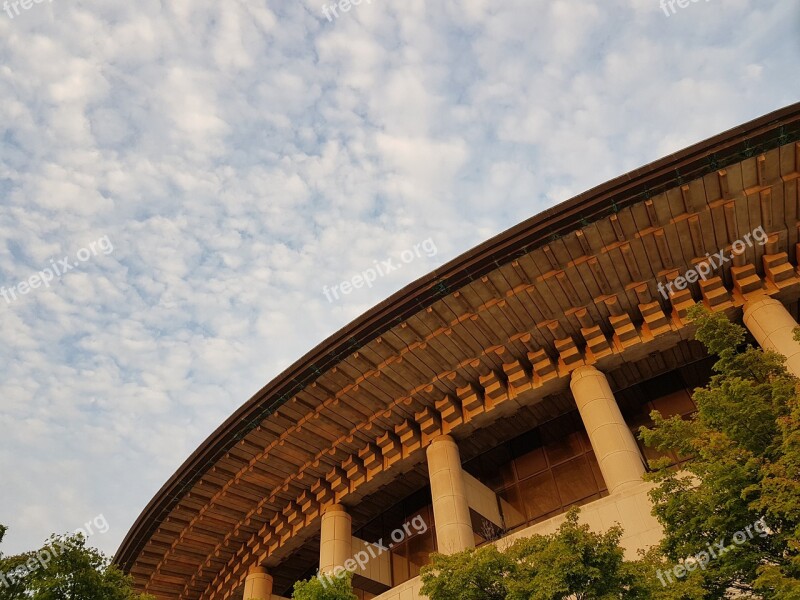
(336, 538)
(773, 326)
(258, 585)
(449, 491)
(613, 443)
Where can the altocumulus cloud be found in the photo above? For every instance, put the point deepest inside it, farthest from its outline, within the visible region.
(242, 154)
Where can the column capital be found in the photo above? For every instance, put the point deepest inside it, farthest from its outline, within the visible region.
(443, 438)
(763, 300)
(258, 584)
(584, 371)
(335, 508)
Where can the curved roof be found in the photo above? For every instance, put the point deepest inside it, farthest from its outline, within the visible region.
(588, 263)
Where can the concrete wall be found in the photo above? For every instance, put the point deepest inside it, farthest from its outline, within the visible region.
(482, 500)
(379, 568)
(405, 591)
(630, 508)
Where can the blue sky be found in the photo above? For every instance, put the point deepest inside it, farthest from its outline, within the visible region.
(241, 155)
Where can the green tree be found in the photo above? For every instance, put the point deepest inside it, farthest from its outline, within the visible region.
(744, 444)
(573, 563)
(65, 568)
(329, 588)
(479, 574)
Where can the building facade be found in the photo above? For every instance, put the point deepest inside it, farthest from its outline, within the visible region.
(483, 400)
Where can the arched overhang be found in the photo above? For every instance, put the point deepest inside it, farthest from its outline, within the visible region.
(488, 339)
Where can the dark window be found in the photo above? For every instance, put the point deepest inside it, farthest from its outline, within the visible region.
(539, 495)
(408, 517)
(547, 470)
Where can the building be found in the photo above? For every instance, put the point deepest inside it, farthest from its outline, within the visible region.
(487, 397)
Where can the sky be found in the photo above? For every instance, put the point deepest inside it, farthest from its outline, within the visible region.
(182, 180)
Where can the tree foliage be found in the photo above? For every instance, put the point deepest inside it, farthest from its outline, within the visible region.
(329, 588)
(478, 574)
(744, 442)
(573, 563)
(65, 568)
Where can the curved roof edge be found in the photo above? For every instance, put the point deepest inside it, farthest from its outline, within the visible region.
(767, 132)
